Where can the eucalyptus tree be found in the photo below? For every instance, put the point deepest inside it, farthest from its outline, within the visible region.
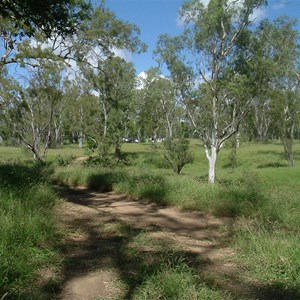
(114, 83)
(60, 16)
(104, 34)
(24, 19)
(81, 111)
(34, 111)
(205, 51)
(68, 30)
(282, 39)
(95, 46)
(9, 96)
(157, 105)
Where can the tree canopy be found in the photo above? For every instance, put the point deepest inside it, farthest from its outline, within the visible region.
(51, 16)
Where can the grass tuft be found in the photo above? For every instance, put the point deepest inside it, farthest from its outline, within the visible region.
(174, 279)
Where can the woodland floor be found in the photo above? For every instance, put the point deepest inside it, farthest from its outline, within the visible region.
(97, 227)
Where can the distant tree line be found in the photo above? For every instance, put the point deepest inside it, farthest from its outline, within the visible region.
(229, 79)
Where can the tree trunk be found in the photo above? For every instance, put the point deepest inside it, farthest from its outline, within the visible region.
(288, 149)
(212, 161)
(212, 165)
(80, 140)
(118, 151)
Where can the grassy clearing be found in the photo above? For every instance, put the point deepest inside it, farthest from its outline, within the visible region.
(27, 228)
(261, 194)
(21, 154)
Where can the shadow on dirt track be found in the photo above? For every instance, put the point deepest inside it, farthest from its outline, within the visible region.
(100, 249)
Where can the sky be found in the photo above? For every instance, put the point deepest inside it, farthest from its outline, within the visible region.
(155, 17)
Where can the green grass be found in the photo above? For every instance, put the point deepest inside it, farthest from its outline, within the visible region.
(27, 229)
(271, 259)
(261, 195)
(22, 154)
(174, 279)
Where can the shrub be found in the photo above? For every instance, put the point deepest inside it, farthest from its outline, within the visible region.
(63, 160)
(177, 154)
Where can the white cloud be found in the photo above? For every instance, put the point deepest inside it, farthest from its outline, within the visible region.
(179, 21)
(142, 77)
(258, 14)
(205, 2)
(141, 80)
(279, 4)
(126, 55)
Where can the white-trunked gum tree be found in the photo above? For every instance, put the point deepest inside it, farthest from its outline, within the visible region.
(203, 64)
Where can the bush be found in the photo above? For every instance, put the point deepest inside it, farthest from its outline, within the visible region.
(155, 159)
(63, 160)
(177, 154)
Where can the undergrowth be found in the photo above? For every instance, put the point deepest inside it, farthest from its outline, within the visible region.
(268, 250)
(27, 228)
(261, 196)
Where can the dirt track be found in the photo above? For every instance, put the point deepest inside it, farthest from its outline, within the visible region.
(94, 264)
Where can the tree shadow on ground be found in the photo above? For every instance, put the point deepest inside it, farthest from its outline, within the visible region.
(22, 174)
(273, 164)
(94, 247)
(96, 239)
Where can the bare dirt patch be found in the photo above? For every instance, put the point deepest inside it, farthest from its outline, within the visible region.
(90, 286)
(80, 159)
(100, 229)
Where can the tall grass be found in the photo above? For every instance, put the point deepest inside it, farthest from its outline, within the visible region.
(261, 194)
(231, 199)
(271, 258)
(26, 229)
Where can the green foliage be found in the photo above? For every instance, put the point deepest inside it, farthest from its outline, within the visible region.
(114, 81)
(154, 158)
(60, 17)
(21, 175)
(233, 161)
(29, 19)
(65, 160)
(106, 31)
(177, 154)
